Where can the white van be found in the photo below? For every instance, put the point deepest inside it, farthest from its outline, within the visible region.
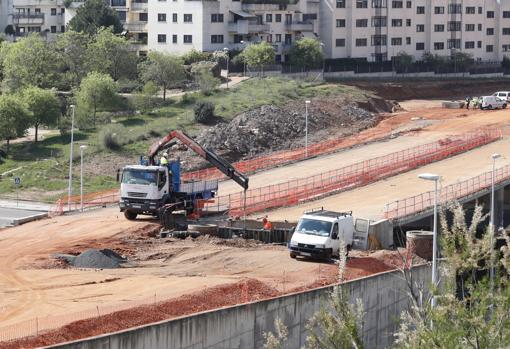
(503, 95)
(492, 102)
(318, 234)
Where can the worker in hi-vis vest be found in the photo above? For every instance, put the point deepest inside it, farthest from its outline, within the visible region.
(164, 159)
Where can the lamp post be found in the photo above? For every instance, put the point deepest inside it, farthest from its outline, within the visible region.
(491, 224)
(82, 148)
(435, 178)
(225, 49)
(69, 190)
(306, 128)
(323, 59)
(244, 62)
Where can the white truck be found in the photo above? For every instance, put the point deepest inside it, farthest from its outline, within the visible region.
(319, 232)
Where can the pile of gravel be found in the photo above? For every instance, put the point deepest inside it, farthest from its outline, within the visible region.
(93, 258)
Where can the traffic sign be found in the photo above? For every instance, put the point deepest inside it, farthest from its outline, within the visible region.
(17, 181)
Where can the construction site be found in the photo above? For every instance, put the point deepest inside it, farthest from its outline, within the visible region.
(77, 274)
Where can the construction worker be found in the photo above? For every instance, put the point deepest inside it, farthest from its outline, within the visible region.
(164, 159)
(267, 224)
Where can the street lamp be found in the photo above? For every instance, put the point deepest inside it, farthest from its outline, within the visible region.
(244, 62)
(323, 59)
(491, 224)
(435, 178)
(82, 148)
(225, 49)
(306, 128)
(69, 191)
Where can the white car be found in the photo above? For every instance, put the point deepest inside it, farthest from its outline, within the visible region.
(503, 95)
(492, 102)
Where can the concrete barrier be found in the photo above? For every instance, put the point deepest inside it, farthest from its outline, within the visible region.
(384, 297)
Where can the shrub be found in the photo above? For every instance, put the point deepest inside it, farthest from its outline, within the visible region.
(128, 86)
(204, 112)
(112, 137)
(188, 98)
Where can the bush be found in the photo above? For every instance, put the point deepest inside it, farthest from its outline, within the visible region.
(204, 112)
(112, 137)
(188, 98)
(128, 86)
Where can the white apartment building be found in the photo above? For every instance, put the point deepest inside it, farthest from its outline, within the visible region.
(36, 16)
(379, 29)
(134, 16)
(177, 26)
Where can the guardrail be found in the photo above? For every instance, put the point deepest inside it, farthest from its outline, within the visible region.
(417, 204)
(356, 175)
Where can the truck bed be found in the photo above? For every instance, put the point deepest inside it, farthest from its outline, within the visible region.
(199, 187)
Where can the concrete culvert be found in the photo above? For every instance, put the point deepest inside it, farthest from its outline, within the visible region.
(99, 259)
(420, 243)
(204, 228)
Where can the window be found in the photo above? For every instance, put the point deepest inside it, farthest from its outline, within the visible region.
(397, 4)
(439, 10)
(379, 4)
(489, 48)
(120, 3)
(420, 46)
(506, 31)
(396, 41)
(269, 38)
(340, 42)
(506, 14)
(217, 18)
(438, 46)
(142, 17)
(408, 22)
(53, 11)
(188, 18)
(396, 22)
(361, 42)
(340, 23)
(490, 31)
(188, 39)
(379, 21)
(469, 44)
(53, 28)
(62, 28)
(121, 15)
(62, 10)
(420, 28)
(439, 27)
(408, 40)
(174, 39)
(490, 14)
(470, 10)
(453, 44)
(278, 17)
(216, 39)
(278, 37)
(470, 27)
(480, 10)
(174, 17)
(361, 23)
(161, 38)
(454, 26)
(340, 3)
(420, 10)
(269, 17)
(455, 8)
(479, 44)
(378, 40)
(37, 11)
(361, 3)
(409, 4)
(479, 27)
(161, 17)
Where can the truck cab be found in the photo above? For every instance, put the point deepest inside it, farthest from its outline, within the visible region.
(318, 234)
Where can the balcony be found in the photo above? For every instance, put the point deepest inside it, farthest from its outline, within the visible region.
(139, 6)
(136, 27)
(297, 26)
(25, 18)
(247, 27)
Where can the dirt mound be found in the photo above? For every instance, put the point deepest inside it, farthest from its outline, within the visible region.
(270, 128)
(100, 259)
(234, 242)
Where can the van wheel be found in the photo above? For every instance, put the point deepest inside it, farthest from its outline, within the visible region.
(504, 106)
(130, 215)
(490, 106)
(292, 255)
(348, 249)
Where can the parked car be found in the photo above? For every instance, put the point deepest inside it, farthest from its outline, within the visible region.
(503, 95)
(492, 102)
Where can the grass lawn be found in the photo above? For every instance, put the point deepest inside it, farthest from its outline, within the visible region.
(43, 166)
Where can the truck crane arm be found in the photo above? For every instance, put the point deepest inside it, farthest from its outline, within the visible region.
(220, 163)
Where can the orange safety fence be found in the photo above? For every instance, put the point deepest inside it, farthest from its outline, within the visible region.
(358, 174)
(73, 203)
(416, 204)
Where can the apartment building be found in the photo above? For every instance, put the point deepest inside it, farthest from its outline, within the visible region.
(379, 29)
(178, 26)
(134, 16)
(35, 16)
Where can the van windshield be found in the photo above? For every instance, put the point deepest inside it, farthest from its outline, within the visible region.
(145, 177)
(313, 227)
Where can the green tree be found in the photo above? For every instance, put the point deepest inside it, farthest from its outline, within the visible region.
(165, 70)
(43, 105)
(93, 15)
(258, 55)
(403, 61)
(145, 100)
(73, 47)
(30, 61)
(14, 118)
(194, 56)
(204, 77)
(306, 53)
(97, 92)
(108, 53)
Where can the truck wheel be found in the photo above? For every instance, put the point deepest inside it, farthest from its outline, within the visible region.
(292, 255)
(130, 215)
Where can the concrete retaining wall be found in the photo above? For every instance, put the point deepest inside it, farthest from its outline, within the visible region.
(384, 296)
